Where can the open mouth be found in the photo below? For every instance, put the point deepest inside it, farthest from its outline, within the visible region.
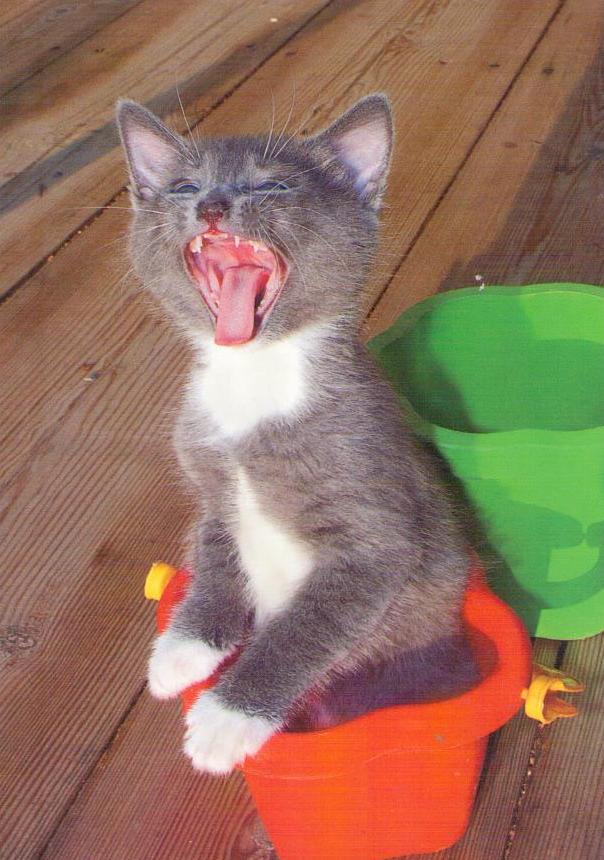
(239, 280)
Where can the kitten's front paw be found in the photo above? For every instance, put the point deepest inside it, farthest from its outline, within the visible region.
(219, 737)
(177, 662)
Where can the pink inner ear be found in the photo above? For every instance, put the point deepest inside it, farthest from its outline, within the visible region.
(364, 148)
(152, 156)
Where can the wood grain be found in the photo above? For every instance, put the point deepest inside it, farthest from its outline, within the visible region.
(69, 158)
(88, 488)
(91, 497)
(350, 41)
(527, 206)
(563, 811)
(174, 813)
(58, 138)
(93, 507)
(37, 32)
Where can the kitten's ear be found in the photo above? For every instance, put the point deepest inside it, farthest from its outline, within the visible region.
(153, 151)
(362, 141)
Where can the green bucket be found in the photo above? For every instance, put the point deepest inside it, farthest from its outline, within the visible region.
(508, 384)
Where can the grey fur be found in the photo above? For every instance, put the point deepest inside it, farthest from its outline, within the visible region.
(378, 620)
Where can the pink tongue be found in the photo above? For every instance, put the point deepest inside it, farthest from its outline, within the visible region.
(240, 286)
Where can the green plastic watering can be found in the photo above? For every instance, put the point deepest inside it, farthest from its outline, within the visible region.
(508, 384)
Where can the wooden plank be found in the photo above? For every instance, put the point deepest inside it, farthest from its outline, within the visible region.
(527, 207)
(563, 811)
(70, 159)
(173, 813)
(91, 477)
(38, 32)
(435, 130)
(102, 458)
(528, 204)
(92, 509)
(129, 351)
(58, 138)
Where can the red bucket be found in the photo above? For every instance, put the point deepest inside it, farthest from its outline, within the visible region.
(400, 780)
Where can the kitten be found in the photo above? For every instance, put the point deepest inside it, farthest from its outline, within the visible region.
(325, 547)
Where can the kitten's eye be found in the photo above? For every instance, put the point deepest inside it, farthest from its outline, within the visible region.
(185, 188)
(271, 185)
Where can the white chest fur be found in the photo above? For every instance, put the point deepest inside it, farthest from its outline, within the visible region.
(275, 562)
(241, 386)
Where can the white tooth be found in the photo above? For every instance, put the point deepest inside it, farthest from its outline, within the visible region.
(221, 235)
(255, 246)
(196, 244)
(237, 241)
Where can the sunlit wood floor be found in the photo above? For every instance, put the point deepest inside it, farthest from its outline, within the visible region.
(498, 174)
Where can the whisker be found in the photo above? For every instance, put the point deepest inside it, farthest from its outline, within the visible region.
(345, 265)
(121, 238)
(301, 172)
(154, 227)
(389, 242)
(117, 285)
(291, 109)
(187, 124)
(270, 245)
(294, 134)
(305, 209)
(268, 194)
(270, 134)
(323, 239)
(293, 257)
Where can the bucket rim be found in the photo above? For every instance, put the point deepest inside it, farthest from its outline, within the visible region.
(460, 720)
(496, 439)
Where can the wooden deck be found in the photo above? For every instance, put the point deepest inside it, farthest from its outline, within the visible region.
(498, 172)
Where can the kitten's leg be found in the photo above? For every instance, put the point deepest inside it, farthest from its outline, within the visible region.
(327, 617)
(446, 667)
(210, 621)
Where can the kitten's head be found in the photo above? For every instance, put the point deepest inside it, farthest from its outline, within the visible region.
(256, 237)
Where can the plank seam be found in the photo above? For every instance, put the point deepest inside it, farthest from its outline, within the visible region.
(93, 766)
(73, 47)
(99, 211)
(429, 215)
(84, 225)
(11, 480)
(536, 747)
(539, 740)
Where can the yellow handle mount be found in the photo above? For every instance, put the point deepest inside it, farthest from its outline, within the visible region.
(541, 703)
(158, 577)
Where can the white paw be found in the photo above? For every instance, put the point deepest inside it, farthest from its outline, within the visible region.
(218, 737)
(177, 662)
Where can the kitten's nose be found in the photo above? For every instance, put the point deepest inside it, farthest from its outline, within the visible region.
(212, 211)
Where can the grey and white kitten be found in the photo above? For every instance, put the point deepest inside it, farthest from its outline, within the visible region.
(325, 546)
